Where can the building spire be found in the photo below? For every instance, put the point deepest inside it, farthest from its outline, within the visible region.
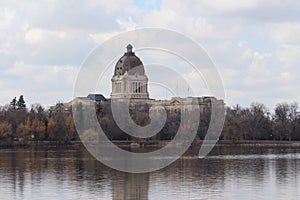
(129, 48)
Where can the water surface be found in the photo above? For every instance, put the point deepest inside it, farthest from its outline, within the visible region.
(227, 173)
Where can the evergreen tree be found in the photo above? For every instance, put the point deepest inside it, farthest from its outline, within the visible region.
(13, 104)
(21, 103)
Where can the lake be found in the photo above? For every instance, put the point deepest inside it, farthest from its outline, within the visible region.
(227, 173)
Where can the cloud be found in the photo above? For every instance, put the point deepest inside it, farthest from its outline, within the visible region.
(288, 56)
(37, 36)
(6, 18)
(101, 37)
(43, 75)
(254, 44)
(195, 26)
(285, 33)
(39, 80)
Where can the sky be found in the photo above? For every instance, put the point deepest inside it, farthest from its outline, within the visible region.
(255, 44)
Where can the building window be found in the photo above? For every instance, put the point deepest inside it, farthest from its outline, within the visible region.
(136, 87)
(139, 87)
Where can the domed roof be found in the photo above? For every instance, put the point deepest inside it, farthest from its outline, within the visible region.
(129, 62)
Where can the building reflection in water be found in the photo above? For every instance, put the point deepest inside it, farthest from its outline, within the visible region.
(130, 186)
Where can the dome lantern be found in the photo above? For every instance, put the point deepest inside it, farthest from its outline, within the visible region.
(129, 48)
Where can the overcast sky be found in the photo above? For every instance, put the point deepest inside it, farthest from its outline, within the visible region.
(255, 44)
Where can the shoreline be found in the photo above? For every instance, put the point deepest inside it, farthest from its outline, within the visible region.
(145, 144)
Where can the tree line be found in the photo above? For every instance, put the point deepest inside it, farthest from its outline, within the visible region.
(257, 123)
(253, 123)
(20, 123)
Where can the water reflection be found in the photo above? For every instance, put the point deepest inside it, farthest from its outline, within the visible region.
(228, 173)
(130, 186)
